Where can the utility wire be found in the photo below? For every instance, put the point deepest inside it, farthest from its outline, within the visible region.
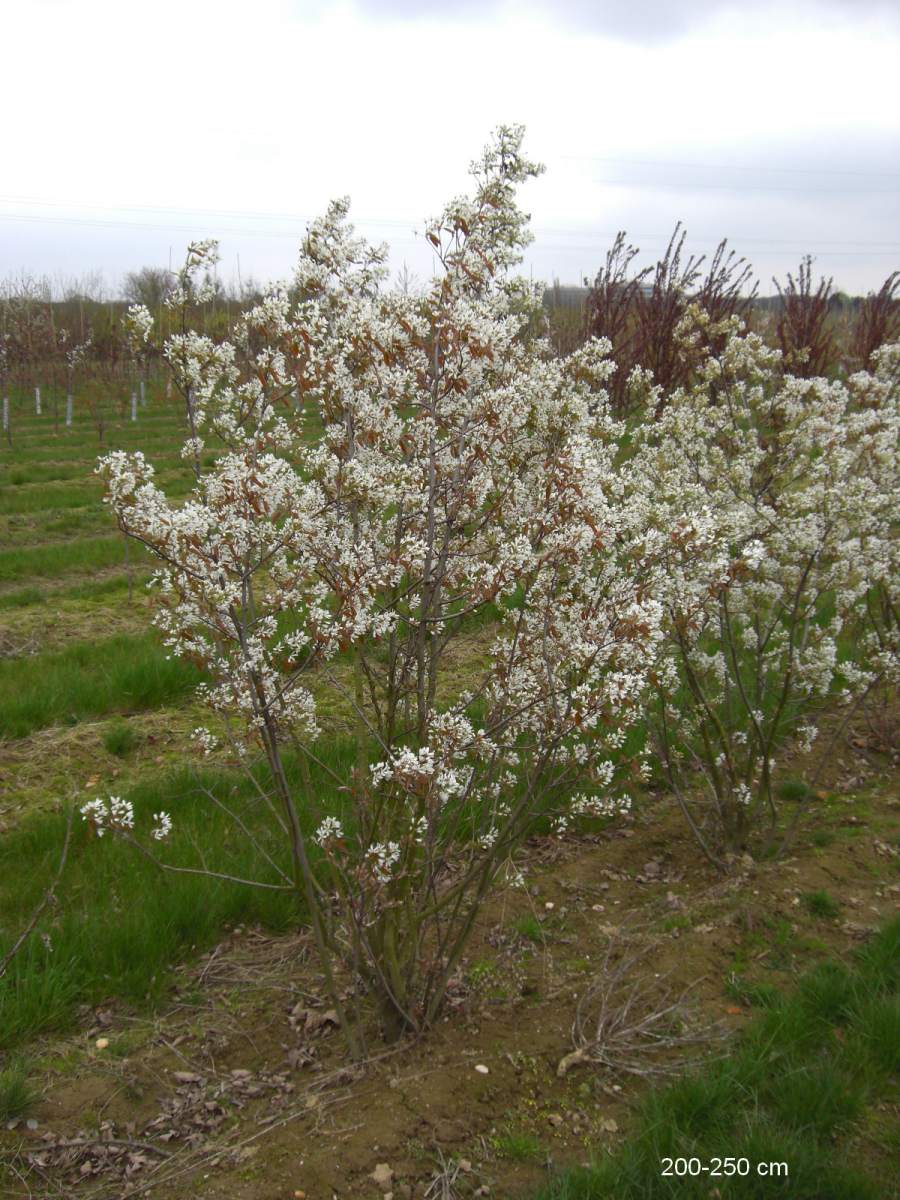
(642, 162)
(588, 238)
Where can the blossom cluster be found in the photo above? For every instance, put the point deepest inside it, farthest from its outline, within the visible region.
(116, 815)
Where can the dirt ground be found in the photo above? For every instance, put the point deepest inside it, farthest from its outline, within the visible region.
(241, 1087)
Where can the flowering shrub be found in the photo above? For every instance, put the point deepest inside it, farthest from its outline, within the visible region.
(776, 499)
(392, 467)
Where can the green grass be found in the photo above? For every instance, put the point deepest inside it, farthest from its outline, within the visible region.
(43, 446)
(78, 466)
(120, 739)
(16, 1096)
(46, 496)
(22, 598)
(92, 589)
(755, 995)
(793, 790)
(120, 924)
(86, 554)
(528, 926)
(805, 1075)
(90, 679)
(52, 526)
(821, 904)
(518, 1146)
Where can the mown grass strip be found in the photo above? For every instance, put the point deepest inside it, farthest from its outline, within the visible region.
(22, 598)
(807, 1073)
(87, 445)
(32, 430)
(15, 501)
(120, 924)
(92, 589)
(87, 554)
(87, 449)
(90, 679)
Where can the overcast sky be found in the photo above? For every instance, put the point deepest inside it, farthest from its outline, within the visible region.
(129, 129)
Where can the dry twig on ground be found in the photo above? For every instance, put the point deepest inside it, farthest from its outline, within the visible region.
(629, 1022)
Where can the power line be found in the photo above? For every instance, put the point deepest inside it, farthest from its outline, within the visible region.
(205, 228)
(714, 239)
(643, 162)
(693, 186)
(588, 238)
(198, 216)
(247, 214)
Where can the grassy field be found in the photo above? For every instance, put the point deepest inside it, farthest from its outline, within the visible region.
(90, 704)
(77, 649)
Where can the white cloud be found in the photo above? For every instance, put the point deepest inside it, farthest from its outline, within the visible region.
(158, 122)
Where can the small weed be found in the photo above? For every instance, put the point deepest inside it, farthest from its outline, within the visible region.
(481, 973)
(754, 995)
(120, 739)
(517, 1146)
(416, 1149)
(829, 993)
(529, 927)
(793, 789)
(489, 981)
(16, 1097)
(583, 966)
(821, 904)
(678, 921)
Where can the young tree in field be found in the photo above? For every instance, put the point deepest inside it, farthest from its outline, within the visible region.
(398, 469)
(76, 358)
(148, 287)
(4, 389)
(805, 333)
(779, 499)
(137, 324)
(641, 319)
(878, 320)
(610, 312)
(192, 356)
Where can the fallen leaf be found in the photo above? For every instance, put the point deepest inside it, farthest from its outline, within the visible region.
(383, 1175)
(571, 1060)
(316, 1020)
